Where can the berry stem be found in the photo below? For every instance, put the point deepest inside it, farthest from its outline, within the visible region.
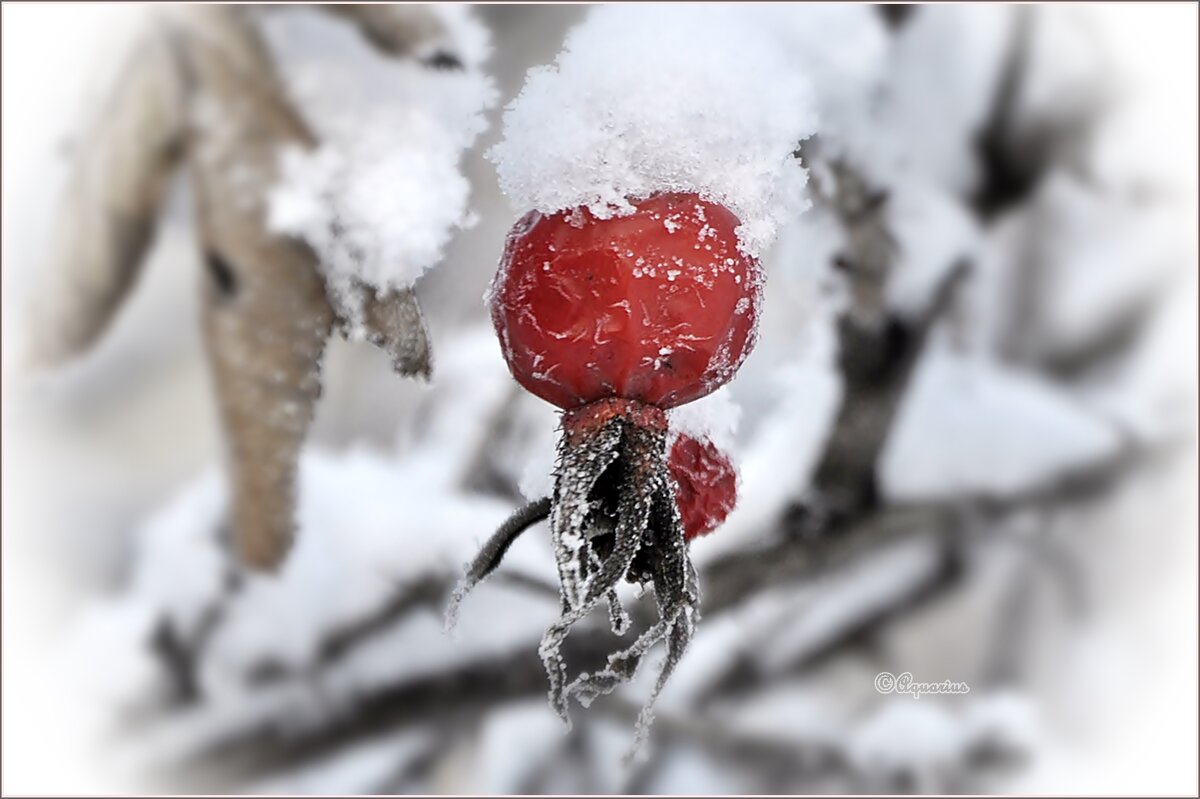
(493, 552)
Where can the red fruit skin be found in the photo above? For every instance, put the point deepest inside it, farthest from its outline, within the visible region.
(706, 485)
(658, 306)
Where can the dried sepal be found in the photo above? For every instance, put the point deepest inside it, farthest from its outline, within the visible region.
(613, 518)
(631, 531)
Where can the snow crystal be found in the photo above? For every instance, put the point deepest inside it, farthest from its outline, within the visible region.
(381, 195)
(647, 99)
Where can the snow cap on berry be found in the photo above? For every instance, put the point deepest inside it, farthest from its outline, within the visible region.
(709, 100)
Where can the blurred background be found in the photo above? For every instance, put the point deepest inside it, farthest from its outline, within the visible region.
(1018, 516)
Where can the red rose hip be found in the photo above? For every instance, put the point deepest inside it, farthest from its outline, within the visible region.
(705, 485)
(615, 321)
(658, 306)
